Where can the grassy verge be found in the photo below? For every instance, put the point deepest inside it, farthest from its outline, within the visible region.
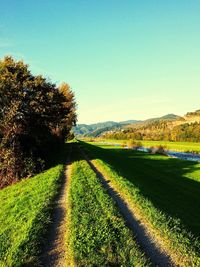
(98, 235)
(175, 146)
(147, 182)
(24, 216)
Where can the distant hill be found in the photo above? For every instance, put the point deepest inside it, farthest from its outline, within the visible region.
(85, 129)
(170, 117)
(164, 127)
(129, 122)
(169, 127)
(97, 129)
(195, 113)
(165, 118)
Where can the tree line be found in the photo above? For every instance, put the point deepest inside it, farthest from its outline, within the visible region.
(159, 131)
(36, 116)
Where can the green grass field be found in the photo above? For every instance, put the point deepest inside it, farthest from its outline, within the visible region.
(25, 214)
(166, 190)
(175, 146)
(98, 235)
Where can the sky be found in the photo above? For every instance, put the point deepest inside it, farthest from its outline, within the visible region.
(124, 59)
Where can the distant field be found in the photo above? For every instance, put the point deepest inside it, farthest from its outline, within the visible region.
(156, 184)
(176, 146)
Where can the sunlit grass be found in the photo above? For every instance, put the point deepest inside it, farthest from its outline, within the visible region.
(98, 235)
(164, 192)
(176, 146)
(24, 216)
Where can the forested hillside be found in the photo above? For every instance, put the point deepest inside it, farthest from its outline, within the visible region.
(168, 128)
(98, 128)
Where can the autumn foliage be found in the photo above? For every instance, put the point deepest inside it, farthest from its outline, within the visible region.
(35, 117)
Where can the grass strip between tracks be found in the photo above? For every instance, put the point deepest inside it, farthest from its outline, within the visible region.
(98, 234)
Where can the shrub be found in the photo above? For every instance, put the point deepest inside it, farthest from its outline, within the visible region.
(132, 144)
(124, 144)
(158, 150)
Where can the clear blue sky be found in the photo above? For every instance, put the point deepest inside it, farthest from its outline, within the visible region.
(125, 59)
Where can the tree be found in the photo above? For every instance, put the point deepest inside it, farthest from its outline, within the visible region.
(32, 109)
(69, 120)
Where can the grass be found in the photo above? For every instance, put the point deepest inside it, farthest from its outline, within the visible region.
(175, 146)
(24, 216)
(164, 192)
(98, 235)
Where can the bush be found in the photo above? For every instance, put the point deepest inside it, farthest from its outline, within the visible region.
(158, 150)
(124, 144)
(132, 144)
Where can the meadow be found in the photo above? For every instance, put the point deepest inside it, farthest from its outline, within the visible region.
(98, 234)
(175, 146)
(165, 191)
(162, 192)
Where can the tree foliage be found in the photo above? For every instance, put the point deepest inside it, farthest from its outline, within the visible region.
(69, 103)
(34, 115)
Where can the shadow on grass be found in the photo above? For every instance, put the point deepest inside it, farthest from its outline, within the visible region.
(164, 181)
(57, 155)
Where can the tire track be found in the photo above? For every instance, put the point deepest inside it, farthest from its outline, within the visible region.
(150, 247)
(54, 253)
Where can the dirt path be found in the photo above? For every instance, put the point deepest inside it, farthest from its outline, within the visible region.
(55, 249)
(145, 241)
